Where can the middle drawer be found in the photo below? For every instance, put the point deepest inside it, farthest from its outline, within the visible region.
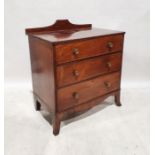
(77, 71)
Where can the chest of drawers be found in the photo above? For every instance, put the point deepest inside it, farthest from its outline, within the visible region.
(74, 67)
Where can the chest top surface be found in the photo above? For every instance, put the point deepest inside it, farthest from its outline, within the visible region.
(64, 31)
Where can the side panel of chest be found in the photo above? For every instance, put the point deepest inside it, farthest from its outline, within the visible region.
(42, 71)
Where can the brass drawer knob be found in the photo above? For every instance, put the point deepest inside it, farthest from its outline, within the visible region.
(76, 73)
(107, 84)
(110, 45)
(76, 95)
(75, 51)
(109, 65)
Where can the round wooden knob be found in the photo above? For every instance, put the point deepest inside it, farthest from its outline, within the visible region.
(107, 84)
(110, 44)
(109, 65)
(76, 95)
(76, 73)
(75, 51)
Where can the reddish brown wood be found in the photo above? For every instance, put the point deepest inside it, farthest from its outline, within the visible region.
(88, 48)
(87, 90)
(42, 71)
(117, 98)
(57, 26)
(73, 35)
(74, 68)
(77, 71)
(74, 111)
(56, 124)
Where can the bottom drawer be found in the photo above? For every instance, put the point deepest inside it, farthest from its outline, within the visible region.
(82, 92)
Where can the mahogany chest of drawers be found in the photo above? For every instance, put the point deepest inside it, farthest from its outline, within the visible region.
(74, 67)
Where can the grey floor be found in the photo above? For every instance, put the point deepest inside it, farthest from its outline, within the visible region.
(103, 130)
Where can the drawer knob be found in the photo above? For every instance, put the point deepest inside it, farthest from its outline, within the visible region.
(75, 51)
(76, 73)
(76, 95)
(109, 65)
(110, 45)
(107, 84)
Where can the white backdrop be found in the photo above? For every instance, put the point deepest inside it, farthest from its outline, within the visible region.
(131, 16)
(109, 129)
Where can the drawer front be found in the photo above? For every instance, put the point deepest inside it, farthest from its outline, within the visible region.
(68, 97)
(88, 48)
(85, 69)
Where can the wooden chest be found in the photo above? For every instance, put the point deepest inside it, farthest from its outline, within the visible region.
(74, 67)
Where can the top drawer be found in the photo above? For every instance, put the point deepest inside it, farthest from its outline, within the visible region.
(88, 48)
